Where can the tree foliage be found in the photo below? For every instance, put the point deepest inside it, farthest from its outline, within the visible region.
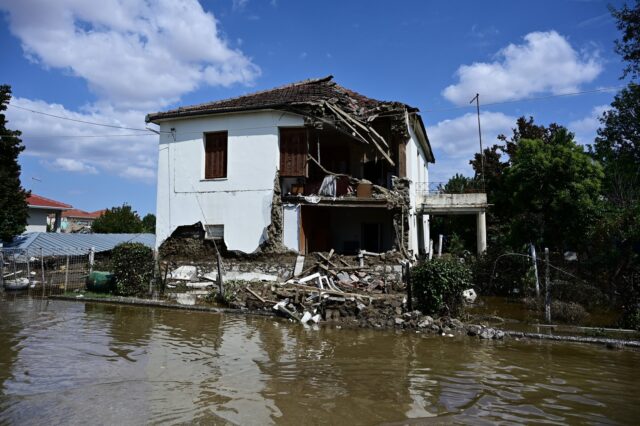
(628, 22)
(118, 220)
(13, 198)
(438, 285)
(149, 223)
(132, 268)
(554, 188)
(617, 146)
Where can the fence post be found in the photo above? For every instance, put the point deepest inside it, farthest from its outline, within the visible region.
(66, 275)
(547, 285)
(42, 270)
(28, 269)
(92, 256)
(535, 268)
(156, 271)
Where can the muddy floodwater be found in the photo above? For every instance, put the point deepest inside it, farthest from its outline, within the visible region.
(83, 363)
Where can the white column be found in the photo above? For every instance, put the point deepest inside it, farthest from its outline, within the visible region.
(482, 232)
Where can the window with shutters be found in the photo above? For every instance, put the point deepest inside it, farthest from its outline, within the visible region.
(293, 152)
(215, 155)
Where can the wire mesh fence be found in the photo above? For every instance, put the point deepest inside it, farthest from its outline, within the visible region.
(33, 271)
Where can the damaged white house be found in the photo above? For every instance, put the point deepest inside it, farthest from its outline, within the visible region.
(306, 167)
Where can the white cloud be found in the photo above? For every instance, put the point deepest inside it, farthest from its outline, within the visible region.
(455, 141)
(56, 141)
(133, 54)
(544, 63)
(72, 165)
(586, 128)
(137, 56)
(239, 4)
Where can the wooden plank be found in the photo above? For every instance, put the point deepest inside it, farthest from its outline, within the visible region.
(326, 268)
(256, 295)
(326, 259)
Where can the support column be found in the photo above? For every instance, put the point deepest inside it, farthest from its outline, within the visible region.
(482, 232)
(426, 232)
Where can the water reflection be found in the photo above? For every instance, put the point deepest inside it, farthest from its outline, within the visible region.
(66, 362)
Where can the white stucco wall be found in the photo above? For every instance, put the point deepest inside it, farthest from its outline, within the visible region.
(291, 223)
(418, 173)
(37, 221)
(242, 200)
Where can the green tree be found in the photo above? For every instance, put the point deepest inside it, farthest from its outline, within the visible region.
(617, 147)
(13, 198)
(555, 189)
(628, 21)
(118, 220)
(149, 223)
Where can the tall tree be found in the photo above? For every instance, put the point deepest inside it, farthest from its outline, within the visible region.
(118, 220)
(628, 21)
(555, 190)
(617, 147)
(13, 197)
(149, 223)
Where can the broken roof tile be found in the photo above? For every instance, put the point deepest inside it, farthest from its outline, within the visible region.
(303, 92)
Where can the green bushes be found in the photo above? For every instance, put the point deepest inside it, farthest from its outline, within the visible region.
(132, 268)
(438, 285)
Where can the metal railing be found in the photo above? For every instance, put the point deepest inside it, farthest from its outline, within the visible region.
(433, 188)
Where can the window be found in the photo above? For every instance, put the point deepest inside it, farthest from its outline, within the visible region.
(293, 152)
(215, 155)
(214, 232)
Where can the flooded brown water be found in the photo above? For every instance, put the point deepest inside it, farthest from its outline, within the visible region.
(82, 363)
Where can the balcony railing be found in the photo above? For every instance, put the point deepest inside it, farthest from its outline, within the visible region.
(433, 188)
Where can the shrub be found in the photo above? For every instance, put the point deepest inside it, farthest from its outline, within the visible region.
(438, 285)
(133, 268)
(568, 312)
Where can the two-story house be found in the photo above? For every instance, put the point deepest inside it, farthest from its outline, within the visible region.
(310, 166)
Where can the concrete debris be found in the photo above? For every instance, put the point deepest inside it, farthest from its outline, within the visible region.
(297, 270)
(469, 295)
(186, 299)
(184, 273)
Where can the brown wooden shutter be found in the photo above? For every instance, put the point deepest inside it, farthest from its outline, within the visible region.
(215, 155)
(402, 159)
(293, 152)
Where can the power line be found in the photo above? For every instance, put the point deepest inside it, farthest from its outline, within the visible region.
(26, 136)
(76, 120)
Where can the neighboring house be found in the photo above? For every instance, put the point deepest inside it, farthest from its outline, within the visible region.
(310, 166)
(39, 210)
(75, 220)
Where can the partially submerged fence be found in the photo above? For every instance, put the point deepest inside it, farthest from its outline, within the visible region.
(34, 271)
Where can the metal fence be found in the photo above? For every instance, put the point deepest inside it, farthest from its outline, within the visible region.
(30, 271)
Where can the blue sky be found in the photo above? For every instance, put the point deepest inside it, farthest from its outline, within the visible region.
(114, 61)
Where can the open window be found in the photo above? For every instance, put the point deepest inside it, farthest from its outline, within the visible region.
(215, 155)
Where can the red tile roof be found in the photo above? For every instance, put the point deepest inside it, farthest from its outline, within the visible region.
(81, 214)
(303, 92)
(34, 200)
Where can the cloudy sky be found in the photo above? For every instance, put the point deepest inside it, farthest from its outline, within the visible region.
(114, 61)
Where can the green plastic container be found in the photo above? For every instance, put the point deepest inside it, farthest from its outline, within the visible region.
(100, 282)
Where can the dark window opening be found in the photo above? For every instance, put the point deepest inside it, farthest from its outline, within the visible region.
(215, 159)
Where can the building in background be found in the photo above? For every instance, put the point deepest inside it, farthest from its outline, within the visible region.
(78, 221)
(40, 209)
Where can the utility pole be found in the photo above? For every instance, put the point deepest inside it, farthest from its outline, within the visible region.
(477, 99)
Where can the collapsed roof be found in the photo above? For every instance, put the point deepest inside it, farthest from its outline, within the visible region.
(315, 99)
